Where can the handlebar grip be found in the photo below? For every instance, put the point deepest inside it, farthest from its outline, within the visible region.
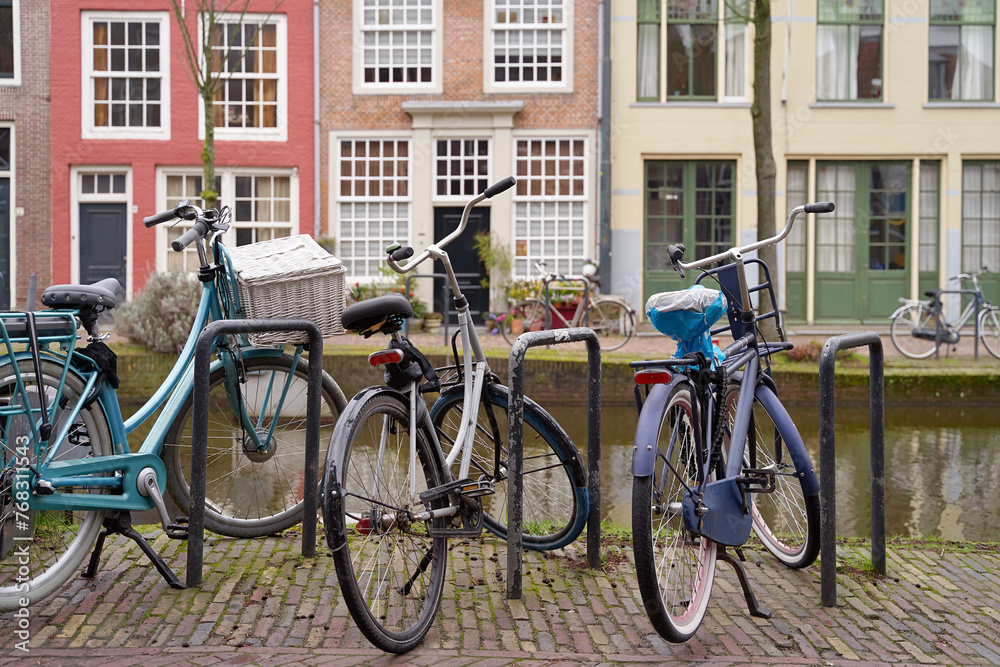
(675, 252)
(157, 218)
(186, 239)
(820, 207)
(400, 254)
(499, 187)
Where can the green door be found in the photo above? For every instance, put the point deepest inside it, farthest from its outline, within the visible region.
(861, 249)
(689, 202)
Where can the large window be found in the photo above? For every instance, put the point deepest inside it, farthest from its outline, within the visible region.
(980, 216)
(373, 194)
(960, 49)
(530, 44)
(261, 204)
(398, 48)
(849, 50)
(835, 236)
(696, 31)
(462, 168)
(9, 38)
(252, 98)
(550, 203)
(126, 61)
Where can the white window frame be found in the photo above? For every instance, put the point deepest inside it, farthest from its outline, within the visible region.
(488, 178)
(88, 129)
(490, 85)
(280, 131)
(227, 197)
(584, 199)
(16, 21)
(358, 65)
(77, 197)
(336, 199)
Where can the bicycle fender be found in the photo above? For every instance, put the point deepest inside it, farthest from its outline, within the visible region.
(647, 429)
(804, 468)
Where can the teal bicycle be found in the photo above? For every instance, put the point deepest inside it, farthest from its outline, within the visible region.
(68, 478)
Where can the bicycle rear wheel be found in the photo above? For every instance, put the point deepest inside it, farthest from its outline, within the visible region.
(989, 330)
(612, 321)
(785, 520)
(41, 549)
(555, 502)
(251, 493)
(905, 322)
(528, 315)
(674, 568)
(390, 568)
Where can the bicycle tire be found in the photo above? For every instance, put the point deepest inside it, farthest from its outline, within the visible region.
(989, 330)
(268, 497)
(527, 315)
(60, 540)
(905, 321)
(674, 569)
(397, 550)
(612, 321)
(786, 520)
(555, 498)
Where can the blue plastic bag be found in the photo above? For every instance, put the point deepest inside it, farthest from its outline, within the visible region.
(686, 317)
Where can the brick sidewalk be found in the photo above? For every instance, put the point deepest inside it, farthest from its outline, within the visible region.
(262, 603)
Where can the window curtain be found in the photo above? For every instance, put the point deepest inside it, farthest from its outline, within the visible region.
(837, 62)
(795, 247)
(991, 218)
(649, 61)
(835, 236)
(976, 63)
(736, 50)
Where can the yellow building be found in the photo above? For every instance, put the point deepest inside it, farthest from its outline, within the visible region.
(886, 107)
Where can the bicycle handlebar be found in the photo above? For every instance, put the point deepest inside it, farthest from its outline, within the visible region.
(157, 218)
(677, 251)
(397, 254)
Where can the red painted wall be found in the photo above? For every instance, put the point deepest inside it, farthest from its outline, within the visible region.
(184, 147)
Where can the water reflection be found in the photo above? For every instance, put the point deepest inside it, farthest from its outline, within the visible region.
(942, 467)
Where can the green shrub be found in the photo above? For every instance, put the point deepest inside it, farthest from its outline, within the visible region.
(160, 318)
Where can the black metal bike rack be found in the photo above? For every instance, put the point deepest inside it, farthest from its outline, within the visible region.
(515, 418)
(199, 431)
(827, 461)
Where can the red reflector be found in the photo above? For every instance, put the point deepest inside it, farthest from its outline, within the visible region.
(385, 357)
(652, 376)
(365, 526)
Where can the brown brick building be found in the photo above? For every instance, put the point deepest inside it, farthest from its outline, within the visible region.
(25, 209)
(423, 103)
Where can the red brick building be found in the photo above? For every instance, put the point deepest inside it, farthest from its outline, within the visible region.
(435, 99)
(127, 132)
(25, 210)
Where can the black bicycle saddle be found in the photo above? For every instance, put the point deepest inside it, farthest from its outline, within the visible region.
(100, 294)
(382, 314)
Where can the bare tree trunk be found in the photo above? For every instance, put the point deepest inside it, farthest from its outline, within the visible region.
(760, 110)
(208, 192)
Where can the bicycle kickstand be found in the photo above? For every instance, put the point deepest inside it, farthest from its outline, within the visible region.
(120, 523)
(756, 609)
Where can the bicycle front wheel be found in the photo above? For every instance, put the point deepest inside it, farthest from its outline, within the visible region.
(528, 315)
(554, 501)
(674, 568)
(905, 323)
(785, 520)
(390, 568)
(612, 321)
(251, 492)
(41, 549)
(989, 330)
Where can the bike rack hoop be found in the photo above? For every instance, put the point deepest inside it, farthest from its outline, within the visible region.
(199, 431)
(827, 456)
(515, 418)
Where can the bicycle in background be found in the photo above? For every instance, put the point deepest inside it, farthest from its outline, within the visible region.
(919, 329)
(67, 469)
(391, 495)
(611, 317)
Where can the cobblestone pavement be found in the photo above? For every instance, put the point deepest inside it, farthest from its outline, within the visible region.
(262, 603)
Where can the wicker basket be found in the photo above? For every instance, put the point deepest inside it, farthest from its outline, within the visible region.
(291, 277)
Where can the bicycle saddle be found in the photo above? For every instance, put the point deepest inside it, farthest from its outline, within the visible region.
(382, 314)
(933, 293)
(103, 293)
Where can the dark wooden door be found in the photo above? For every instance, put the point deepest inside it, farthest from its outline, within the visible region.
(472, 275)
(103, 242)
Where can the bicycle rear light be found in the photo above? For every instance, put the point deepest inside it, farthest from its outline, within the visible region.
(652, 376)
(385, 357)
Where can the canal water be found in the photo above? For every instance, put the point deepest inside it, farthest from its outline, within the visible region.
(942, 467)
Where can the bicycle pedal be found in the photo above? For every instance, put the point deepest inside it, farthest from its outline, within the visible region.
(482, 487)
(472, 519)
(177, 530)
(459, 486)
(757, 480)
